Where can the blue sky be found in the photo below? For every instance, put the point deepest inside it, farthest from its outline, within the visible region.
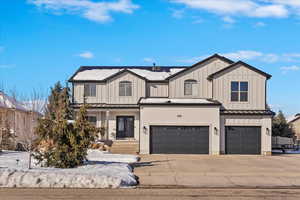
(43, 41)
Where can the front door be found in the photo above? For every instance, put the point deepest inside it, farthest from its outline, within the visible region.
(125, 126)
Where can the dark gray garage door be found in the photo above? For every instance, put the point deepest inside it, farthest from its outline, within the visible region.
(179, 139)
(243, 140)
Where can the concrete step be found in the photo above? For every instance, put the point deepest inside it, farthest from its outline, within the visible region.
(125, 147)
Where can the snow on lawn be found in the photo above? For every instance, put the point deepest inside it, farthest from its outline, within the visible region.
(102, 170)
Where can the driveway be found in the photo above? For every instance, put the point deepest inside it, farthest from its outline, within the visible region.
(219, 171)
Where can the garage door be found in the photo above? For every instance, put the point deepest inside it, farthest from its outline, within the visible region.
(179, 139)
(243, 140)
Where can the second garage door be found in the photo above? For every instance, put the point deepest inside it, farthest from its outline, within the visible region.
(243, 140)
(179, 139)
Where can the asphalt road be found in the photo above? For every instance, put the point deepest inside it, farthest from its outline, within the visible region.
(132, 194)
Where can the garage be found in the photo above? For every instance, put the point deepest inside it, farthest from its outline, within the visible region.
(179, 139)
(243, 140)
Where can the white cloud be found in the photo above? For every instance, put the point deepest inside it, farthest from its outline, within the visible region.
(249, 8)
(178, 14)
(228, 19)
(260, 24)
(243, 55)
(289, 68)
(250, 55)
(198, 21)
(86, 54)
(94, 11)
(150, 60)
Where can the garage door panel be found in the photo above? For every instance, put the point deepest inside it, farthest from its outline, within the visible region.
(243, 140)
(179, 140)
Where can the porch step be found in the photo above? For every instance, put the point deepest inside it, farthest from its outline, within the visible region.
(125, 147)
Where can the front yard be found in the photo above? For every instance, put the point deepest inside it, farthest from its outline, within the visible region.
(102, 170)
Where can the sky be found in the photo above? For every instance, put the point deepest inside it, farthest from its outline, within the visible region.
(45, 41)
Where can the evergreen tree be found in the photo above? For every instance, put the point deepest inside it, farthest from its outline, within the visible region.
(85, 134)
(280, 127)
(67, 144)
(53, 101)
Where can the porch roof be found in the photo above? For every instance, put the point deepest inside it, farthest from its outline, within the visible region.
(177, 101)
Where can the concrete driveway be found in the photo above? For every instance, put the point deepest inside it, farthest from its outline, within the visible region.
(219, 171)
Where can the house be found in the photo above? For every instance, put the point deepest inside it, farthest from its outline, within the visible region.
(20, 120)
(294, 122)
(215, 106)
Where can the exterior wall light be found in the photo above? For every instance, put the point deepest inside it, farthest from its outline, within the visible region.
(268, 131)
(216, 131)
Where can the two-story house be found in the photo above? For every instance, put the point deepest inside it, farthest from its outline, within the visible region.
(215, 106)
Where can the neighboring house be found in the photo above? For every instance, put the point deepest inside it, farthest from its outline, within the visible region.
(21, 120)
(215, 106)
(295, 124)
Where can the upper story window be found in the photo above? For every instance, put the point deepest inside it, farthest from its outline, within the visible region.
(239, 91)
(190, 87)
(90, 90)
(125, 88)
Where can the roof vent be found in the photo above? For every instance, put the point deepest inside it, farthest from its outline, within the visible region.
(155, 68)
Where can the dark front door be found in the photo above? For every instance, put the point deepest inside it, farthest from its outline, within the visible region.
(243, 140)
(125, 126)
(179, 139)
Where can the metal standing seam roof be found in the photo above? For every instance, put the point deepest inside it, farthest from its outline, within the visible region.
(247, 112)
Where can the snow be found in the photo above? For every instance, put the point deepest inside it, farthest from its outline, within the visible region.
(96, 74)
(286, 152)
(102, 170)
(293, 118)
(9, 102)
(101, 74)
(176, 101)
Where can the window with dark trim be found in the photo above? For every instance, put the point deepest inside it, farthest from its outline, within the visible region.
(90, 90)
(125, 88)
(190, 87)
(92, 120)
(239, 91)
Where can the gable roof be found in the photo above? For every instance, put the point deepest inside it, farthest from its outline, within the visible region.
(11, 103)
(203, 61)
(295, 118)
(240, 63)
(103, 73)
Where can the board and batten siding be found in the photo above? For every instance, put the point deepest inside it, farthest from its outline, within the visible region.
(157, 90)
(200, 74)
(101, 93)
(138, 89)
(256, 88)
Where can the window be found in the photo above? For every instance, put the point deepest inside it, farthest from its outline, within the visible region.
(190, 87)
(239, 91)
(125, 88)
(90, 90)
(92, 120)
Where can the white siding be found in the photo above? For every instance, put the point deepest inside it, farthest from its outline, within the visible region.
(157, 89)
(101, 93)
(138, 89)
(256, 88)
(199, 74)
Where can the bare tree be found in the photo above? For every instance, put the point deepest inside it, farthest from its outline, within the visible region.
(35, 104)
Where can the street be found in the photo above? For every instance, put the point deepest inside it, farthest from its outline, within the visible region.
(148, 193)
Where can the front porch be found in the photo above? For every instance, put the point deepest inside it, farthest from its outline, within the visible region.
(118, 124)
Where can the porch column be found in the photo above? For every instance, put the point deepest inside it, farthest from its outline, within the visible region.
(107, 124)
